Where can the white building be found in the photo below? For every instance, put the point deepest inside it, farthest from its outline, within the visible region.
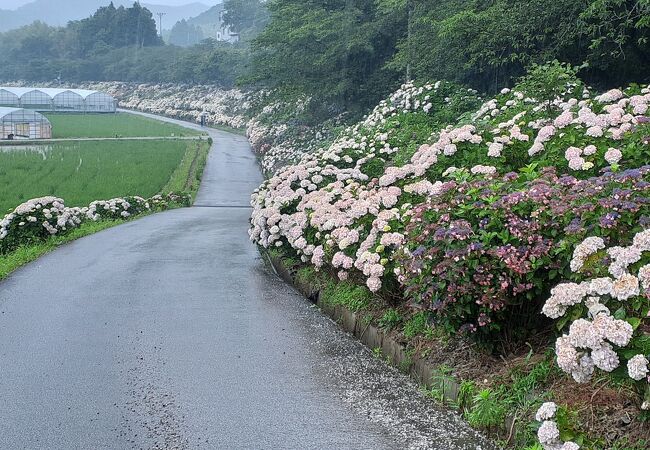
(224, 33)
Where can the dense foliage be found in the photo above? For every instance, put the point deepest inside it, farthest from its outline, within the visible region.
(486, 44)
(112, 27)
(334, 50)
(484, 252)
(245, 17)
(41, 52)
(185, 34)
(345, 51)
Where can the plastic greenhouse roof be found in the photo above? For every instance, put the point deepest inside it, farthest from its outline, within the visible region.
(50, 92)
(25, 113)
(7, 111)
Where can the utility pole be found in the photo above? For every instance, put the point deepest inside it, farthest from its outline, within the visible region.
(160, 16)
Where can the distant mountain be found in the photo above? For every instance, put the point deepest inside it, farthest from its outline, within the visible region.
(174, 14)
(12, 4)
(61, 12)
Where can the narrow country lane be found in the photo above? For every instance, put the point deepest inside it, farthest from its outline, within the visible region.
(170, 332)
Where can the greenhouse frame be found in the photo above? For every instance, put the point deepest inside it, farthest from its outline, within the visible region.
(19, 123)
(63, 100)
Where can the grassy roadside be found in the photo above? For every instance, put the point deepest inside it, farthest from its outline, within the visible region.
(497, 395)
(188, 174)
(81, 172)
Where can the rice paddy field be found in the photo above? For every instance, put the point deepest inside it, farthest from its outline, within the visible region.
(83, 171)
(111, 125)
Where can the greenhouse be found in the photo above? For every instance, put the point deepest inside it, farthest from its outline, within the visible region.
(51, 99)
(18, 123)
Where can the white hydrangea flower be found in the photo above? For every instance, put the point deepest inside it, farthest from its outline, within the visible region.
(548, 433)
(644, 277)
(605, 358)
(585, 249)
(637, 367)
(624, 287)
(546, 411)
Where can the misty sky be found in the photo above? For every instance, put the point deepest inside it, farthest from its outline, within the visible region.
(12, 4)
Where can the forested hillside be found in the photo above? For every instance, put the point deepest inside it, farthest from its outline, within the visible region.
(348, 54)
(355, 52)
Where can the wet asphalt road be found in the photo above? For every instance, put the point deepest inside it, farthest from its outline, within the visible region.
(170, 332)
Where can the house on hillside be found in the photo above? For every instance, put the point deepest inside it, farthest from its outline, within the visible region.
(224, 32)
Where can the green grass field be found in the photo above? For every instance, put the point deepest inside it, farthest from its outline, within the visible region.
(81, 172)
(109, 125)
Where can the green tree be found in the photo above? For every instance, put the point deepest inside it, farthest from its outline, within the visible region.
(488, 44)
(184, 34)
(619, 31)
(111, 27)
(245, 16)
(333, 51)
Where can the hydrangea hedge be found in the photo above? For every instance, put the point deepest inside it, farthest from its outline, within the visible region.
(37, 219)
(474, 211)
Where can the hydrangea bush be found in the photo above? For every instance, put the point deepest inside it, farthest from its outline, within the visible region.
(552, 428)
(607, 309)
(331, 207)
(181, 101)
(473, 212)
(337, 205)
(482, 252)
(39, 218)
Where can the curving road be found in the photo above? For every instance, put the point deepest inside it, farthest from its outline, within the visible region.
(169, 332)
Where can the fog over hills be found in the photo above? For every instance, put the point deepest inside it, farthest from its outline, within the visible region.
(16, 13)
(13, 4)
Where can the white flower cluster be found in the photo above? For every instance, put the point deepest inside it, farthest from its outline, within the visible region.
(590, 342)
(47, 216)
(548, 432)
(617, 117)
(585, 249)
(186, 102)
(637, 367)
(115, 207)
(333, 196)
(49, 213)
